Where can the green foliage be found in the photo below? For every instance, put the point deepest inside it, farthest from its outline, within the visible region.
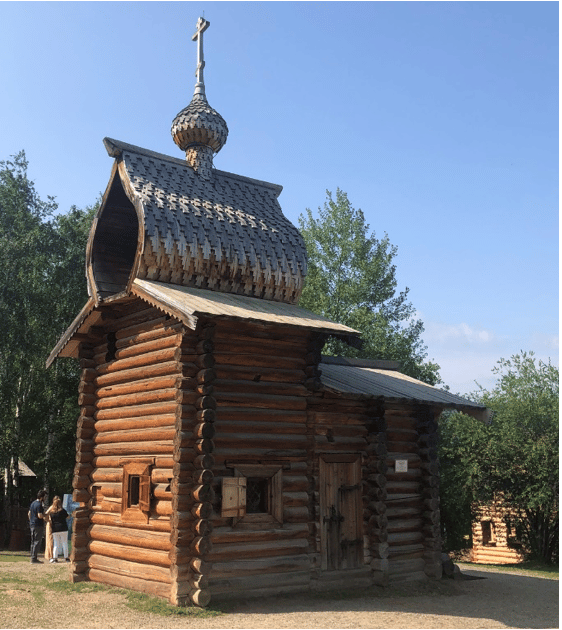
(42, 287)
(352, 280)
(515, 459)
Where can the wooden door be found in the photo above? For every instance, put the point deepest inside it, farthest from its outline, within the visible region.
(340, 512)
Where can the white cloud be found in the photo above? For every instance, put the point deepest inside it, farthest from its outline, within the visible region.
(467, 353)
(437, 332)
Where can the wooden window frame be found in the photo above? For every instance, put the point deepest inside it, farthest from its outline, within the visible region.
(491, 541)
(137, 513)
(234, 495)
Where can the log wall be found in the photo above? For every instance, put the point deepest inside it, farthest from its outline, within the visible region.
(133, 381)
(412, 497)
(260, 397)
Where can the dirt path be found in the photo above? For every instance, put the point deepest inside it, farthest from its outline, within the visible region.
(499, 600)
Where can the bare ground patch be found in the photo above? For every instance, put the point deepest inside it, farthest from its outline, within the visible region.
(35, 596)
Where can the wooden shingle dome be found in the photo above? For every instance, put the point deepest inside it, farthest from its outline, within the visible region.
(186, 223)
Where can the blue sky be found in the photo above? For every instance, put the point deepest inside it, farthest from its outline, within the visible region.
(439, 120)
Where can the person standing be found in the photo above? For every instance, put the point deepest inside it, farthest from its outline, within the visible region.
(37, 525)
(58, 516)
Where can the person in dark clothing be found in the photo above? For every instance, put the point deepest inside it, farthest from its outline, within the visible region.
(37, 525)
(58, 515)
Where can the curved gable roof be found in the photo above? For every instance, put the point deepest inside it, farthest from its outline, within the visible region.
(226, 233)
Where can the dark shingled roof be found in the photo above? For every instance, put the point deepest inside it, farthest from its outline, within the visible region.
(226, 233)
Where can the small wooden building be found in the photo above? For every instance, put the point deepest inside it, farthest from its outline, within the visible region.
(218, 453)
(494, 537)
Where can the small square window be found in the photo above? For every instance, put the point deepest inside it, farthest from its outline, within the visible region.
(253, 495)
(134, 490)
(257, 491)
(136, 493)
(97, 496)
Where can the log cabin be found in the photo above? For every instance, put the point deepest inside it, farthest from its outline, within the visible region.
(218, 453)
(494, 536)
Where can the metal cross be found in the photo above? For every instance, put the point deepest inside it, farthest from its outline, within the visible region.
(202, 26)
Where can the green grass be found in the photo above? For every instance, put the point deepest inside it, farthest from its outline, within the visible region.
(146, 604)
(8, 556)
(133, 600)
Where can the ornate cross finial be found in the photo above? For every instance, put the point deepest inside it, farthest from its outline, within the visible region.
(202, 26)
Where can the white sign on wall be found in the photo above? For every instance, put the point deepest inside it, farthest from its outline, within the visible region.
(401, 465)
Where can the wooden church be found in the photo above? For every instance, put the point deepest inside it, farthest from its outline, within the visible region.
(218, 453)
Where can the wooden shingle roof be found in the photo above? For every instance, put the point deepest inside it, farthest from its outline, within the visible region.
(160, 220)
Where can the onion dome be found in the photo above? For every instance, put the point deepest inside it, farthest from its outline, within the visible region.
(198, 129)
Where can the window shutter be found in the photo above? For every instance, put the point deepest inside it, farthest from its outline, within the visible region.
(233, 497)
(125, 491)
(144, 493)
(276, 496)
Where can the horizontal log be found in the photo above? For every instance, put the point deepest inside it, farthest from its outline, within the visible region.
(157, 434)
(130, 537)
(228, 536)
(162, 491)
(135, 318)
(138, 398)
(140, 422)
(156, 330)
(264, 401)
(405, 524)
(110, 461)
(129, 552)
(144, 347)
(259, 348)
(134, 448)
(401, 512)
(258, 445)
(160, 524)
(261, 567)
(139, 322)
(399, 538)
(162, 507)
(252, 331)
(157, 370)
(295, 514)
(268, 549)
(263, 373)
(261, 387)
(139, 386)
(340, 418)
(134, 583)
(136, 411)
(149, 358)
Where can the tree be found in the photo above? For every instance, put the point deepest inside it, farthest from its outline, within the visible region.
(515, 459)
(352, 280)
(41, 288)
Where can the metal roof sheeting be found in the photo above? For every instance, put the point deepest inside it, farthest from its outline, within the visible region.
(192, 303)
(391, 384)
